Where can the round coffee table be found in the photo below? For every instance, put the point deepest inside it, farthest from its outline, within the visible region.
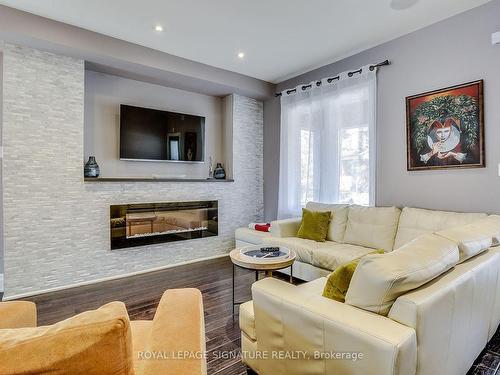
(267, 265)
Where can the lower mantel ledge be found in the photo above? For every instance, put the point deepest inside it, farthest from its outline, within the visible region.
(153, 179)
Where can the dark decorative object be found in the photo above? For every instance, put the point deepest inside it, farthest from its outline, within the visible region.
(152, 223)
(219, 172)
(91, 168)
(445, 128)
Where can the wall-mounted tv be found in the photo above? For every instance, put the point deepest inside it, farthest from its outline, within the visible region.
(154, 135)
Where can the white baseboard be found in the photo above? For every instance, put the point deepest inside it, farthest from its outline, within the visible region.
(90, 282)
(1, 282)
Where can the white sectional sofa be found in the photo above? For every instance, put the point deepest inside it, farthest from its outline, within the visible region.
(437, 328)
(356, 231)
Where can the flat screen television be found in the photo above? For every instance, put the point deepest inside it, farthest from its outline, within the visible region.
(154, 135)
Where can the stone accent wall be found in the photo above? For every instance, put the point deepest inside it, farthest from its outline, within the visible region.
(56, 225)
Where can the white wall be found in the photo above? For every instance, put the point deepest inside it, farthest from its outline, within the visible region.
(103, 96)
(454, 51)
(57, 225)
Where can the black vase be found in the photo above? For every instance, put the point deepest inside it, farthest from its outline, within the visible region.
(91, 168)
(219, 172)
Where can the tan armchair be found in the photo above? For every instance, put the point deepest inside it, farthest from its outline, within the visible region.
(104, 341)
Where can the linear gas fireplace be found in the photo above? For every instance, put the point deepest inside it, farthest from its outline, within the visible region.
(152, 223)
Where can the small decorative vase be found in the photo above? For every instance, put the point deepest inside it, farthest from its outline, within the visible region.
(91, 168)
(219, 172)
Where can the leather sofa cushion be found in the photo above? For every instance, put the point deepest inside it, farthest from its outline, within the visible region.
(414, 222)
(326, 255)
(380, 279)
(302, 247)
(251, 236)
(339, 218)
(338, 282)
(471, 239)
(247, 320)
(95, 342)
(492, 224)
(373, 227)
(329, 258)
(312, 288)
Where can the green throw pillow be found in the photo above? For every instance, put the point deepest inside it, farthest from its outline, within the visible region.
(339, 280)
(314, 225)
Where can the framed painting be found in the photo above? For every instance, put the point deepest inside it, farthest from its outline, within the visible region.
(445, 128)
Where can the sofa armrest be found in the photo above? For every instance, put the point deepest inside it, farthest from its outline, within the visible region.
(17, 314)
(286, 227)
(178, 330)
(317, 329)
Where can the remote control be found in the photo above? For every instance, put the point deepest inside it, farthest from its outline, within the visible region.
(269, 249)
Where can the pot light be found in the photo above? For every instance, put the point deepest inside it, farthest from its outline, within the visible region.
(159, 28)
(241, 55)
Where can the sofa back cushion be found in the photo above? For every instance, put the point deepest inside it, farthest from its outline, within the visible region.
(339, 218)
(414, 222)
(492, 224)
(471, 239)
(380, 279)
(95, 342)
(373, 227)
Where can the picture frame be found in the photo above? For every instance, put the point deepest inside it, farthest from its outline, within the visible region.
(445, 128)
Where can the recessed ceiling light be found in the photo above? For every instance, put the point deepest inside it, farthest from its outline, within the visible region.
(159, 28)
(402, 4)
(241, 55)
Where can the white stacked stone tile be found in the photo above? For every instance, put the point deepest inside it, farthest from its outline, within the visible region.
(56, 225)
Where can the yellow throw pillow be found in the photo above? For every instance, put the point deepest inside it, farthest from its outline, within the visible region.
(338, 282)
(97, 342)
(314, 225)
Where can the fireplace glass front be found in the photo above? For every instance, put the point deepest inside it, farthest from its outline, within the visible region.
(152, 223)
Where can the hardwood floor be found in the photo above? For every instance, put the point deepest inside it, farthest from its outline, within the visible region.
(142, 293)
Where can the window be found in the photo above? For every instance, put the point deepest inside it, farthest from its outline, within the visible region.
(327, 144)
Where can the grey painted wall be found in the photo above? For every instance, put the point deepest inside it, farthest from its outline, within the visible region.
(57, 225)
(451, 52)
(103, 96)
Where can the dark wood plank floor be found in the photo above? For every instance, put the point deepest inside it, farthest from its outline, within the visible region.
(142, 293)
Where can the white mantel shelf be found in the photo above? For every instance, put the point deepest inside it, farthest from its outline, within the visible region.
(153, 179)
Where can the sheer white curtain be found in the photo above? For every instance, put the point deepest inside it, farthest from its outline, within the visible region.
(327, 145)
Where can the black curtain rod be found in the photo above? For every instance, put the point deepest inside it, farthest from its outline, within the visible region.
(330, 80)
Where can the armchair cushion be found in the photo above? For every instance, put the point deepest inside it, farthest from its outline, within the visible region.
(95, 342)
(178, 327)
(17, 314)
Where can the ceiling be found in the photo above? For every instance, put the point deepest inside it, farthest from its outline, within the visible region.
(280, 38)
